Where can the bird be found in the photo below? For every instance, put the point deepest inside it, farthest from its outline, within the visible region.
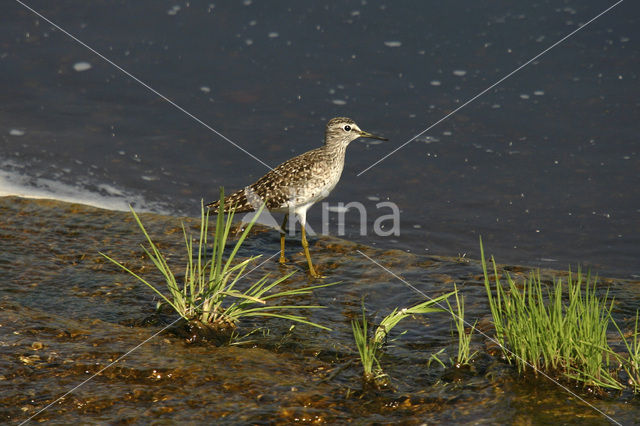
(298, 183)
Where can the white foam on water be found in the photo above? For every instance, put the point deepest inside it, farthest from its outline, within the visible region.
(111, 190)
(174, 10)
(110, 197)
(82, 66)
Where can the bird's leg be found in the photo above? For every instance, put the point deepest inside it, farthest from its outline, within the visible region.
(305, 245)
(282, 235)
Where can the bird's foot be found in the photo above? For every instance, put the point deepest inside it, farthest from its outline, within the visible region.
(314, 274)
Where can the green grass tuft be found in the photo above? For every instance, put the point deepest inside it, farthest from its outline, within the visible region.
(553, 330)
(208, 292)
(464, 355)
(631, 361)
(370, 347)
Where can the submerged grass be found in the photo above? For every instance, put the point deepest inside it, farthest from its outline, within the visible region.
(563, 332)
(370, 347)
(208, 291)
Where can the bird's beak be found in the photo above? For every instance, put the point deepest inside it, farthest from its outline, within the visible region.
(364, 134)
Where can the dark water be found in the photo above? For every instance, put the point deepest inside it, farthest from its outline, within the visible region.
(544, 166)
(66, 313)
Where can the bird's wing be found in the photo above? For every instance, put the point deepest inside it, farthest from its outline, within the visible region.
(274, 188)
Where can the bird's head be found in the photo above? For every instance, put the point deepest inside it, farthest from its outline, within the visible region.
(342, 131)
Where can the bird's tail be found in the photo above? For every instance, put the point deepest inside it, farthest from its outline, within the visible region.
(237, 201)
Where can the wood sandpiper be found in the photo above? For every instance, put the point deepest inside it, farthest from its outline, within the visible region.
(298, 183)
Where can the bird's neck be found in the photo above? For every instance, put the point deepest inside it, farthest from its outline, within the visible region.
(336, 151)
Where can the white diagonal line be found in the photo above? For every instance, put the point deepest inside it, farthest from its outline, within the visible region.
(491, 87)
(130, 351)
(492, 339)
(142, 83)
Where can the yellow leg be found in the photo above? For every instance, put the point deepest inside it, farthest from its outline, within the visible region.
(284, 231)
(305, 246)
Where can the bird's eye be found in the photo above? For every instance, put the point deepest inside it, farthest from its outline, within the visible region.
(347, 128)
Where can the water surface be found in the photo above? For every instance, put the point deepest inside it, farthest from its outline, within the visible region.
(544, 166)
